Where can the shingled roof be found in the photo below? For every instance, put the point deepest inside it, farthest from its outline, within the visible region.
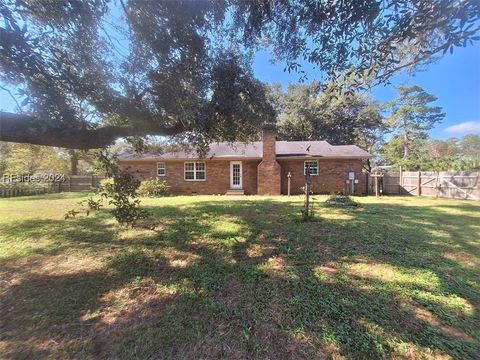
(254, 150)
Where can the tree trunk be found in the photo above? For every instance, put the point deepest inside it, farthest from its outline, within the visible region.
(23, 128)
(368, 166)
(73, 162)
(405, 144)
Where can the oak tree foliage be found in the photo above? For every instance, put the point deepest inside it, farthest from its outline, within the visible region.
(306, 112)
(88, 72)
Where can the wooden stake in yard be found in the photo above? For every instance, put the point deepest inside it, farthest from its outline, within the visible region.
(400, 181)
(376, 176)
(289, 176)
(308, 181)
(419, 183)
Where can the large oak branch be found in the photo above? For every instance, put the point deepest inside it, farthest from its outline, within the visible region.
(28, 129)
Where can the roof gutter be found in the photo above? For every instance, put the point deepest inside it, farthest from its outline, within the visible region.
(239, 158)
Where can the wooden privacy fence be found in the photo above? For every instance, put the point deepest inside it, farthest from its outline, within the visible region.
(75, 183)
(25, 191)
(79, 183)
(449, 184)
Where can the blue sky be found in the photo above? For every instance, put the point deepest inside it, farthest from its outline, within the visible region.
(454, 80)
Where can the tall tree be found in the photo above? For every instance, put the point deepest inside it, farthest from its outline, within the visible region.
(73, 156)
(5, 149)
(470, 146)
(412, 115)
(81, 161)
(438, 149)
(308, 112)
(92, 71)
(30, 159)
(433, 154)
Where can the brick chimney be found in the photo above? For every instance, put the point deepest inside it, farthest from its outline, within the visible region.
(268, 171)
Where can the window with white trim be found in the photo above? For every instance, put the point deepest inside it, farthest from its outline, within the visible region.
(195, 171)
(311, 165)
(161, 169)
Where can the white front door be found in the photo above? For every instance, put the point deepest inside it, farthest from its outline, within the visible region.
(236, 175)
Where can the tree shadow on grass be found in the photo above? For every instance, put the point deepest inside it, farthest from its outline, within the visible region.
(249, 279)
(53, 237)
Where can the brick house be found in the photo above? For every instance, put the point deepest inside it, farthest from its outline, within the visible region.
(255, 168)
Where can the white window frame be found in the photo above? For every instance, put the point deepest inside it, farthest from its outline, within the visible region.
(164, 169)
(195, 171)
(305, 167)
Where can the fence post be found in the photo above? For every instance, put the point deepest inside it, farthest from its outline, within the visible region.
(419, 183)
(400, 181)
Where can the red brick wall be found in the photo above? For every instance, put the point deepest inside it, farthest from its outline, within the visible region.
(332, 175)
(140, 170)
(268, 178)
(217, 176)
(250, 176)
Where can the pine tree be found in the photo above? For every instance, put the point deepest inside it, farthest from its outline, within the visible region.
(412, 115)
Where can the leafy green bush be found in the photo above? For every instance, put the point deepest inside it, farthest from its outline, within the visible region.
(121, 191)
(107, 185)
(153, 187)
(123, 197)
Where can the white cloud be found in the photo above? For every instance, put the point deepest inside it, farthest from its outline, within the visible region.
(467, 127)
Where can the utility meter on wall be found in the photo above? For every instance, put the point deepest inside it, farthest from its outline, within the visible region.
(352, 181)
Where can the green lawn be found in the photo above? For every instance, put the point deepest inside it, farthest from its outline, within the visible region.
(396, 277)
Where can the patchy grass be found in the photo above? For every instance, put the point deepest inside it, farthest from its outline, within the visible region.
(395, 277)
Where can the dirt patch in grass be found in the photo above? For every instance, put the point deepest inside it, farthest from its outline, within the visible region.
(276, 263)
(179, 259)
(326, 272)
(463, 258)
(421, 314)
(261, 250)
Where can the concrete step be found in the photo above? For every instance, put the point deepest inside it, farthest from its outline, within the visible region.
(235, 192)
